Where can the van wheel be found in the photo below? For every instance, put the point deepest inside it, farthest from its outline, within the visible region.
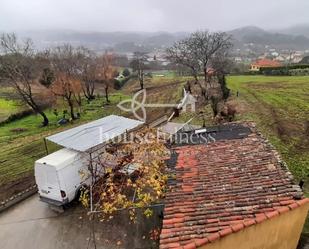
(78, 192)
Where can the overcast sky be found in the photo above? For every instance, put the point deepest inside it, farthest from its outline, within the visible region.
(150, 15)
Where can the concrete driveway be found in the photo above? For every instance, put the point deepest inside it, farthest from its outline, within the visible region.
(31, 224)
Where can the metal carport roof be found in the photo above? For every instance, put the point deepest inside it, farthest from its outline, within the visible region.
(87, 136)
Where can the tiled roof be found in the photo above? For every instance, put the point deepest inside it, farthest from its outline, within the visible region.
(267, 63)
(223, 187)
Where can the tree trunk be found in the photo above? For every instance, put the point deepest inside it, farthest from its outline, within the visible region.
(79, 102)
(88, 90)
(92, 96)
(205, 74)
(142, 85)
(89, 96)
(188, 87)
(141, 80)
(45, 119)
(71, 109)
(35, 108)
(79, 105)
(91, 91)
(106, 94)
(203, 91)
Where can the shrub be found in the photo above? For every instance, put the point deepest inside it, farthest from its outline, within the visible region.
(214, 105)
(284, 70)
(300, 72)
(126, 72)
(118, 84)
(225, 91)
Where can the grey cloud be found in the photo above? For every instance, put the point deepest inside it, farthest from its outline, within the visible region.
(150, 15)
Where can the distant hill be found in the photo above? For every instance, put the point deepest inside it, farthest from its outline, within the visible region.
(259, 36)
(241, 33)
(296, 30)
(122, 41)
(296, 38)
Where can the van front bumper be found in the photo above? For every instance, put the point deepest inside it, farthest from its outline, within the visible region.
(54, 202)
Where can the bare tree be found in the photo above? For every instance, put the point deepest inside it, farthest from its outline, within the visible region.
(106, 72)
(47, 77)
(88, 68)
(196, 52)
(182, 53)
(138, 66)
(205, 45)
(21, 67)
(222, 65)
(65, 64)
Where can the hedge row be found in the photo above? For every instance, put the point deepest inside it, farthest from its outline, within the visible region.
(284, 70)
(299, 72)
(16, 116)
(118, 84)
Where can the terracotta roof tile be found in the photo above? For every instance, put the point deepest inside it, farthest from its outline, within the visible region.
(293, 205)
(237, 227)
(272, 214)
(225, 232)
(283, 209)
(267, 63)
(303, 201)
(223, 187)
(190, 246)
(200, 242)
(212, 237)
(260, 218)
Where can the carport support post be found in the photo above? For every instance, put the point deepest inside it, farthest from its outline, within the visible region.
(90, 156)
(45, 144)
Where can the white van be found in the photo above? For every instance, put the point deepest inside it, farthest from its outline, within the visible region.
(58, 176)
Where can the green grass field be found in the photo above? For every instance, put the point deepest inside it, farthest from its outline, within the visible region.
(9, 103)
(7, 107)
(22, 142)
(278, 105)
(280, 108)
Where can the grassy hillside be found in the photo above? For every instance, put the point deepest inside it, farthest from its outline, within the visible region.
(166, 89)
(280, 107)
(22, 143)
(9, 103)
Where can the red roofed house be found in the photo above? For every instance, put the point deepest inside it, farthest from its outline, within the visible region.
(264, 63)
(234, 192)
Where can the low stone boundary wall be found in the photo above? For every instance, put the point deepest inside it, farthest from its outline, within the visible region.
(18, 198)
